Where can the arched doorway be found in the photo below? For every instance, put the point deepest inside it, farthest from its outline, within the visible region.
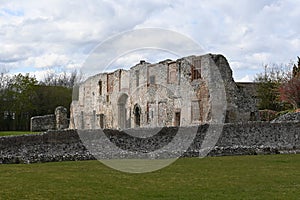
(122, 111)
(137, 115)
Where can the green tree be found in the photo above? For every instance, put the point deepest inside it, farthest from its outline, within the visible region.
(49, 97)
(4, 79)
(268, 87)
(18, 101)
(21, 97)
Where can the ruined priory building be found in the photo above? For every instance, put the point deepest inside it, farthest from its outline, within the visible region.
(168, 93)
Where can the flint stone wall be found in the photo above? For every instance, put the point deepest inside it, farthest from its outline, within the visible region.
(57, 121)
(236, 139)
(43, 123)
(180, 92)
(291, 117)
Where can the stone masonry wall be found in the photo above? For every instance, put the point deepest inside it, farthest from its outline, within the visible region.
(236, 139)
(43, 123)
(184, 92)
(56, 121)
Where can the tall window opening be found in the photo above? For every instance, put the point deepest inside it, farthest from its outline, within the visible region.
(137, 115)
(177, 119)
(100, 87)
(122, 111)
(101, 121)
(196, 69)
(172, 73)
(94, 120)
(137, 78)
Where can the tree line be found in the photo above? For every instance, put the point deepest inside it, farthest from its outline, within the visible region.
(23, 96)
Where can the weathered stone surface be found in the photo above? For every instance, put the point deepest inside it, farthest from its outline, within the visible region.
(61, 116)
(43, 123)
(47, 147)
(236, 139)
(168, 93)
(289, 117)
(57, 121)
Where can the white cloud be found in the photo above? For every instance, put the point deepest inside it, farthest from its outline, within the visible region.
(246, 78)
(37, 34)
(48, 60)
(40, 75)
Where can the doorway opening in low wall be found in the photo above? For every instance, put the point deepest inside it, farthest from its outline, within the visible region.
(122, 111)
(137, 115)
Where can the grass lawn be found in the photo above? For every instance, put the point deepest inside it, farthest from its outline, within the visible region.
(231, 177)
(9, 133)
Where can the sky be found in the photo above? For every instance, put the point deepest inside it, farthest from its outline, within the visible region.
(42, 36)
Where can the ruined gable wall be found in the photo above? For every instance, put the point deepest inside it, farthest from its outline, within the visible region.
(240, 103)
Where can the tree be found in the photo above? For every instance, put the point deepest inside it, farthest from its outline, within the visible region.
(17, 100)
(21, 97)
(3, 78)
(296, 69)
(290, 90)
(64, 79)
(268, 86)
(49, 97)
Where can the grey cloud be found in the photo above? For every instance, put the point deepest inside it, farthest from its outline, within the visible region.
(11, 60)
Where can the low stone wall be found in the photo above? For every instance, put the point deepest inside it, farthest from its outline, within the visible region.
(43, 123)
(46, 147)
(56, 121)
(235, 139)
(256, 138)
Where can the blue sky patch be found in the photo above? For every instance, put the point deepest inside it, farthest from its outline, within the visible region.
(17, 13)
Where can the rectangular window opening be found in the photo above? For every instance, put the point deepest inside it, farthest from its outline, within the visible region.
(137, 77)
(196, 69)
(101, 120)
(196, 73)
(177, 119)
(100, 87)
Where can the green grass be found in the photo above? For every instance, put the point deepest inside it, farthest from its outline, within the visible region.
(9, 133)
(236, 177)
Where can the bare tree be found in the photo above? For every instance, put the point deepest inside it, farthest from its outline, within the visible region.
(3, 77)
(65, 79)
(290, 90)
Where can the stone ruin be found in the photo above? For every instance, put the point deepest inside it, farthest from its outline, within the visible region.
(61, 118)
(168, 93)
(57, 121)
